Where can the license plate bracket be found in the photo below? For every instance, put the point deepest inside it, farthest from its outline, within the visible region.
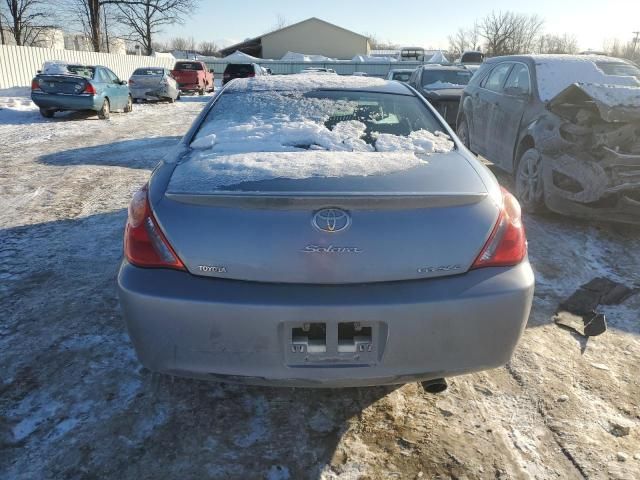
(333, 343)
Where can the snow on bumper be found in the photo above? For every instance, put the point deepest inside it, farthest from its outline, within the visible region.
(241, 331)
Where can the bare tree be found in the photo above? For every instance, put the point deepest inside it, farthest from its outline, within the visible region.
(25, 20)
(507, 33)
(182, 43)
(1, 29)
(551, 43)
(463, 40)
(208, 49)
(377, 44)
(620, 49)
(281, 22)
(145, 18)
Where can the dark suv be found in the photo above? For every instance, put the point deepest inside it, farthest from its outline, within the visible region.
(567, 127)
(442, 85)
(241, 70)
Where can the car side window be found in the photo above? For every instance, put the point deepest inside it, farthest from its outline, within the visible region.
(496, 78)
(101, 76)
(518, 82)
(113, 78)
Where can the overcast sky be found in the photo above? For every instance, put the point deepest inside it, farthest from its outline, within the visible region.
(421, 23)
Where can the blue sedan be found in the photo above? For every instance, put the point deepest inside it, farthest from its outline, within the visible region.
(61, 87)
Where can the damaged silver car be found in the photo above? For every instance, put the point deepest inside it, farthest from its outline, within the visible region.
(567, 127)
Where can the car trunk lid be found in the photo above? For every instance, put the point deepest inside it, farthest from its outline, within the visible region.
(429, 219)
(145, 81)
(185, 76)
(62, 84)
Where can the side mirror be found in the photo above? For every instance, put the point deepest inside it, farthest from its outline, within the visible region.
(124, 82)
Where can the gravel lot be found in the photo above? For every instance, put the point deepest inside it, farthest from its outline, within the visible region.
(75, 403)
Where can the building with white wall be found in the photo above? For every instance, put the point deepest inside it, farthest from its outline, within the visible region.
(312, 37)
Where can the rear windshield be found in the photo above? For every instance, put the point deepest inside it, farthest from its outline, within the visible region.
(472, 57)
(81, 70)
(337, 120)
(188, 66)
(243, 68)
(149, 71)
(619, 69)
(436, 79)
(402, 76)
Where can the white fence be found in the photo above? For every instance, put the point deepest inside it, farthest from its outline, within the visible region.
(342, 67)
(18, 65)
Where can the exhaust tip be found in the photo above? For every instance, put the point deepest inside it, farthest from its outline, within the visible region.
(437, 385)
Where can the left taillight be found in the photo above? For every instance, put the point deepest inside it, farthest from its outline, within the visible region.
(507, 245)
(35, 85)
(144, 243)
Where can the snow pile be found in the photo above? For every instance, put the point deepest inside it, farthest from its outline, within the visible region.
(438, 57)
(370, 59)
(557, 72)
(421, 141)
(306, 82)
(240, 57)
(301, 57)
(206, 172)
(16, 99)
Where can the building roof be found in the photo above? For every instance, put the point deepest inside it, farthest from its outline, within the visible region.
(313, 19)
(254, 42)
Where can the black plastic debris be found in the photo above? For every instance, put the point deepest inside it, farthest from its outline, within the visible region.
(579, 311)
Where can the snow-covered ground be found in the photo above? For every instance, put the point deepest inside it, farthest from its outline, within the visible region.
(75, 403)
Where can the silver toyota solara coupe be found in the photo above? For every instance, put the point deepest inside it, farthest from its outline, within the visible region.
(323, 231)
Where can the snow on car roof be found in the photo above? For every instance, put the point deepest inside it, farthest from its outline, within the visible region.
(311, 81)
(557, 72)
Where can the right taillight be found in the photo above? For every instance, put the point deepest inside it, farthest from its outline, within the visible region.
(507, 245)
(89, 89)
(144, 243)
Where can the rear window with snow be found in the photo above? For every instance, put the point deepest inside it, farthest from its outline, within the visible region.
(331, 120)
(439, 79)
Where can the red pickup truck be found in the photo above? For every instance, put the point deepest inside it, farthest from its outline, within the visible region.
(193, 76)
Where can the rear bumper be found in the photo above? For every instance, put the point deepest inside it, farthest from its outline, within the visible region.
(149, 93)
(189, 87)
(240, 331)
(66, 102)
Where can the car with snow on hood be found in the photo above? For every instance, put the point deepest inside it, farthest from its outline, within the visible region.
(63, 86)
(442, 85)
(567, 128)
(323, 231)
